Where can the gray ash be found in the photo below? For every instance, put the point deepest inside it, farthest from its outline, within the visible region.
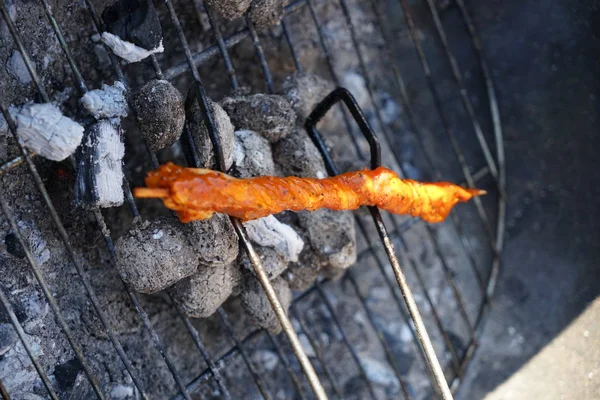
(252, 155)
(158, 107)
(214, 240)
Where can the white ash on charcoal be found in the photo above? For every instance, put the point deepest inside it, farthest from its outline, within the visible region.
(273, 261)
(265, 14)
(133, 30)
(253, 155)
(106, 103)
(201, 136)
(100, 167)
(159, 110)
(304, 91)
(46, 131)
(270, 115)
(229, 9)
(257, 305)
(202, 293)
(155, 255)
(214, 240)
(270, 232)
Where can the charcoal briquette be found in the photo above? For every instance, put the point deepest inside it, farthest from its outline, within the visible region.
(202, 293)
(265, 14)
(296, 155)
(214, 240)
(229, 9)
(253, 155)
(155, 255)
(270, 115)
(135, 21)
(159, 109)
(200, 134)
(257, 305)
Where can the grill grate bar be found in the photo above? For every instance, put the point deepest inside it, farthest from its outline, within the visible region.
(318, 355)
(21, 333)
(287, 366)
(443, 118)
(361, 368)
(42, 282)
(259, 270)
(222, 48)
(458, 296)
(386, 348)
(243, 352)
(468, 105)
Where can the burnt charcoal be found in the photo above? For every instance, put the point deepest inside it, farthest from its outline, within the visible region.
(17, 307)
(214, 239)
(99, 167)
(270, 115)
(202, 293)
(302, 274)
(155, 255)
(200, 134)
(273, 262)
(13, 246)
(135, 21)
(253, 155)
(304, 91)
(332, 235)
(8, 337)
(66, 373)
(265, 14)
(159, 109)
(229, 9)
(296, 155)
(257, 305)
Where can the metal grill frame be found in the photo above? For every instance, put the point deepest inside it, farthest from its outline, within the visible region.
(495, 168)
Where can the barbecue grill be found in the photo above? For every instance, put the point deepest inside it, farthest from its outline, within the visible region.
(322, 352)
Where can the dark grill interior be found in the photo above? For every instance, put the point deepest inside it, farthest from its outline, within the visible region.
(231, 368)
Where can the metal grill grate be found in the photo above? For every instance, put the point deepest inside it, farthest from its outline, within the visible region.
(439, 375)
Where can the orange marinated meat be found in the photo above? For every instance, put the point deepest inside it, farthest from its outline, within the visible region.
(198, 193)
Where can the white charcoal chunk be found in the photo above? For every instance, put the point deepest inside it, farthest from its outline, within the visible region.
(108, 102)
(127, 50)
(270, 232)
(47, 132)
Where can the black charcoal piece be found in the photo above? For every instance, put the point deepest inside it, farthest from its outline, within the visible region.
(266, 13)
(257, 305)
(200, 134)
(99, 167)
(253, 155)
(229, 9)
(202, 293)
(13, 246)
(155, 255)
(159, 109)
(66, 373)
(270, 115)
(135, 21)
